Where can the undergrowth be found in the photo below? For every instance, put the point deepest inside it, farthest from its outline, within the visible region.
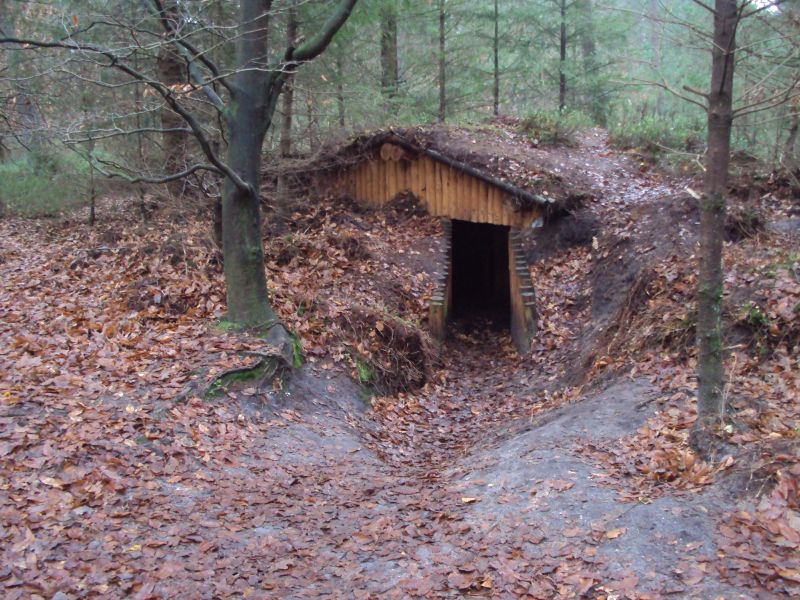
(44, 182)
(552, 127)
(658, 137)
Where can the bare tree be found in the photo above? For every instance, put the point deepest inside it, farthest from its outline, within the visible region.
(710, 365)
(390, 72)
(719, 105)
(722, 105)
(171, 73)
(496, 59)
(442, 63)
(243, 98)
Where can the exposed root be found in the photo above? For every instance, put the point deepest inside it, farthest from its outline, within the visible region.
(743, 222)
(268, 368)
(392, 355)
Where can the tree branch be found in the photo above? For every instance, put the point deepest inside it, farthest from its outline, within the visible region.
(190, 54)
(704, 5)
(664, 85)
(145, 179)
(313, 47)
(164, 91)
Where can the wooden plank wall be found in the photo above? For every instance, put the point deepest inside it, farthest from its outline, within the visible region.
(442, 299)
(443, 190)
(524, 316)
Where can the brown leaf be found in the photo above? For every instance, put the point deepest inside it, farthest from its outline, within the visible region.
(615, 533)
(52, 482)
(560, 485)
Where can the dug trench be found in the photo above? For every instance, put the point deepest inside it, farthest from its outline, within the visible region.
(474, 472)
(486, 480)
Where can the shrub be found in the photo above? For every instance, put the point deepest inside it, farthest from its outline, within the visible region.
(551, 127)
(44, 182)
(657, 135)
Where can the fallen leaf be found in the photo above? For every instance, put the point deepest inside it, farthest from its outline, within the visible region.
(615, 533)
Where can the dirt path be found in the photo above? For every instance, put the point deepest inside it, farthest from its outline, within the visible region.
(471, 486)
(459, 489)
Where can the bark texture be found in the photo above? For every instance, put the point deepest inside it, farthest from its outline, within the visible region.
(340, 107)
(562, 63)
(789, 147)
(442, 64)
(285, 146)
(249, 116)
(591, 69)
(496, 56)
(390, 71)
(172, 73)
(248, 302)
(710, 365)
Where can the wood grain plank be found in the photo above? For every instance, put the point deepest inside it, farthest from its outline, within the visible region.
(453, 206)
(480, 195)
(474, 203)
(374, 189)
(386, 167)
(457, 208)
(487, 199)
(439, 186)
(412, 178)
(430, 188)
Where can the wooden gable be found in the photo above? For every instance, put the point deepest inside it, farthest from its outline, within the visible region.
(445, 191)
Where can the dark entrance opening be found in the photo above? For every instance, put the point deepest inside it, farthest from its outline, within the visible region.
(480, 273)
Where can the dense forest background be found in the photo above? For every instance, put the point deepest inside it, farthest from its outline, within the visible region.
(219, 373)
(634, 67)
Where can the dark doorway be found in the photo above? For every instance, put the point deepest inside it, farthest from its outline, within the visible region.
(480, 273)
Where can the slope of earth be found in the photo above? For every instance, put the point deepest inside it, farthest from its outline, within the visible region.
(476, 473)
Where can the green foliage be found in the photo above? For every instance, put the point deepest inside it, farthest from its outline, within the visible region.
(44, 182)
(231, 381)
(366, 375)
(297, 351)
(551, 127)
(225, 326)
(755, 316)
(757, 320)
(656, 136)
(788, 264)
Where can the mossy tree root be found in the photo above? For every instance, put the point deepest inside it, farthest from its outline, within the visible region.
(266, 369)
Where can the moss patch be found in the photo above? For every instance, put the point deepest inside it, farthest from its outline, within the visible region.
(228, 382)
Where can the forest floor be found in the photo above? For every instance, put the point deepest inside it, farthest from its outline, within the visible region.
(469, 472)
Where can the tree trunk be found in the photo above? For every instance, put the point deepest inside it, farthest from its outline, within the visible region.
(389, 63)
(248, 120)
(442, 64)
(710, 366)
(171, 73)
(562, 76)
(92, 196)
(285, 145)
(340, 89)
(496, 52)
(594, 89)
(655, 42)
(789, 152)
(140, 161)
(6, 29)
(28, 123)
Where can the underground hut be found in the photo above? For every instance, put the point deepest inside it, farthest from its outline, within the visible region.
(487, 202)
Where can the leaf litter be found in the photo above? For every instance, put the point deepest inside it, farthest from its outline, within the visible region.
(488, 474)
